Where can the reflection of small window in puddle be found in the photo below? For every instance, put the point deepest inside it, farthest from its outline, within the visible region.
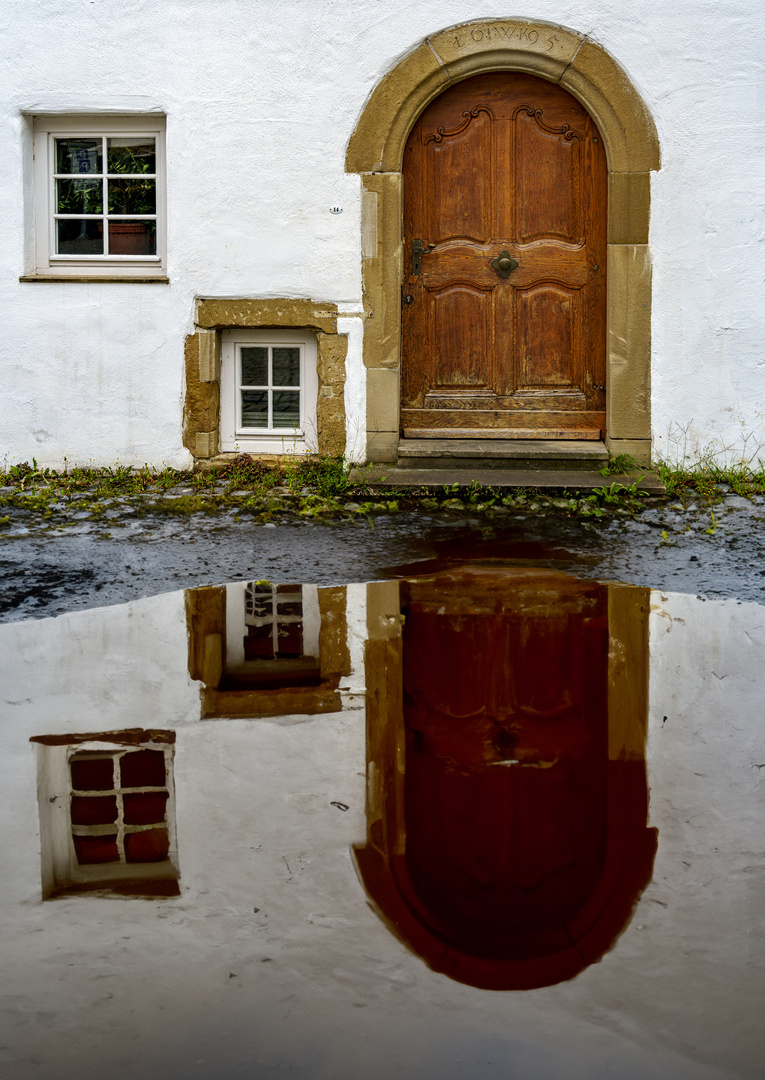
(106, 814)
(276, 647)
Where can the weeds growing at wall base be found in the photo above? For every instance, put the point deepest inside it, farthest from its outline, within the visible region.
(323, 488)
(310, 488)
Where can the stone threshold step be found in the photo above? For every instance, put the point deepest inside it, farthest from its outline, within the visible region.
(500, 453)
(393, 476)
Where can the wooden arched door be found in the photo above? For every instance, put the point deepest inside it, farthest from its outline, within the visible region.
(504, 335)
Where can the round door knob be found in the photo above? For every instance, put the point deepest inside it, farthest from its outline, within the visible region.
(503, 264)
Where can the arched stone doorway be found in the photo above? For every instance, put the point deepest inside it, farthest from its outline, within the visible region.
(375, 152)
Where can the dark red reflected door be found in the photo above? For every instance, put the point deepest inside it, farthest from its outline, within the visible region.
(515, 846)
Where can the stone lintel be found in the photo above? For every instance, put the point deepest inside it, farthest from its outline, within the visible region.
(223, 314)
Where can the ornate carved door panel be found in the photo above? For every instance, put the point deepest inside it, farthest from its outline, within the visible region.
(505, 187)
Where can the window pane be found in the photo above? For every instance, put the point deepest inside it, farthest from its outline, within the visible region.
(143, 768)
(286, 409)
(152, 845)
(96, 849)
(132, 237)
(132, 196)
(92, 774)
(290, 641)
(79, 156)
(79, 197)
(255, 408)
(126, 155)
(146, 808)
(254, 367)
(94, 809)
(83, 236)
(286, 367)
(259, 643)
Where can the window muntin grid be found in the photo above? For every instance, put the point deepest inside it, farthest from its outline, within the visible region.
(269, 387)
(118, 806)
(273, 618)
(104, 196)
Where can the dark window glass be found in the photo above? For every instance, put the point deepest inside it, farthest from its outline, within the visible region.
(286, 365)
(79, 156)
(96, 849)
(254, 366)
(290, 639)
(143, 768)
(79, 197)
(132, 196)
(255, 408)
(145, 808)
(259, 643)
(131, 155)
(286, 409)
(94, 809)
(92, 774)
(152, 845)
(80, 236)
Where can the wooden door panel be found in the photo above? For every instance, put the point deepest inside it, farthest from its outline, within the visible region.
(461, 182)
(536, 262)
(549, 346)
(461, 322)
(520, 423)
(548, 172)
(505, 163)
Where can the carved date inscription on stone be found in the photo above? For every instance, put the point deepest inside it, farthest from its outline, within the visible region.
(525, 35)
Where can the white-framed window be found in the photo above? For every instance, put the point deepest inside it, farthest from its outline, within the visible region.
(269, 386)
(99, 196)
(107, 820)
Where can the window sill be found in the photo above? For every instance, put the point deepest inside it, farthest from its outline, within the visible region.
(112, 279)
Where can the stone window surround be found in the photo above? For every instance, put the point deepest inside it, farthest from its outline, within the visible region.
(375, 152)
(201, 414)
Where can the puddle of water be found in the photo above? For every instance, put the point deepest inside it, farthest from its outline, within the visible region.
(397, 827)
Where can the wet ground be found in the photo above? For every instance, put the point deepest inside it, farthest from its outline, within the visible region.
(715, 551)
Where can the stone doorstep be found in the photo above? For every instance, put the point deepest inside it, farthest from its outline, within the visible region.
(552, 479)
(486, 454)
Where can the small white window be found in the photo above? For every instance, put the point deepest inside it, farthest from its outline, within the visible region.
(268, 391)
(99, 196)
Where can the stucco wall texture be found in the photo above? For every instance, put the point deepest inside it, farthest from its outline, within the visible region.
(260, 101)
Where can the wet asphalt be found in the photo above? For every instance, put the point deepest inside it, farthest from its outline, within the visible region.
(707, 551)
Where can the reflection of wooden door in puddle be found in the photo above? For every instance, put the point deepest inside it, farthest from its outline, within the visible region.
(507, 762)
(507, 799)
(509, 169)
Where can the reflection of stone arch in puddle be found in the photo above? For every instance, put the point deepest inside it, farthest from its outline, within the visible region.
(500, 862)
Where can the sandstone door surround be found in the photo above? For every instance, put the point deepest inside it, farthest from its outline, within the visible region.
(375, 151)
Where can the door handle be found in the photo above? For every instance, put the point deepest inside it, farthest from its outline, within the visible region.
(418, 250)
(504, 264)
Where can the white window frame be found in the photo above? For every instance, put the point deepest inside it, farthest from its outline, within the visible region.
(61, 871)
(47, 262)
(233, 436)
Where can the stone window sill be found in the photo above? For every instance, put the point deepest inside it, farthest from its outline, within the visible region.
(100, 279)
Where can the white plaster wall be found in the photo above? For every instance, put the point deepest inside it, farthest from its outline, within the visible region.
(260, 101)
